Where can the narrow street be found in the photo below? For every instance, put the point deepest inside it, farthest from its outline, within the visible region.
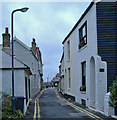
(53, 107)
(49, 105)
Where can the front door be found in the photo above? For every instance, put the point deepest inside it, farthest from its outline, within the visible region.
(26, 90)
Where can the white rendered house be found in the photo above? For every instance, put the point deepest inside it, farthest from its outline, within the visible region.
(22, 75)
(61, 71)
(31, 57)
(28, 70)
(90, 59)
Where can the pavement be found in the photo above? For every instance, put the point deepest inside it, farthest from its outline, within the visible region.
(51, 105)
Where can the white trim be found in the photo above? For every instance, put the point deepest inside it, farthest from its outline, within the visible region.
(83, 92)
(82, 48)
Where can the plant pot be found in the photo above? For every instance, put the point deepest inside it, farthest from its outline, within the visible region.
(83, 88)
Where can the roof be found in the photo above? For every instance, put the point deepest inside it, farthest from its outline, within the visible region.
(22, 67)
(18, 68)
(40, 56)
(35, 53)
(25, 46)
(62, 57)
(83, 15)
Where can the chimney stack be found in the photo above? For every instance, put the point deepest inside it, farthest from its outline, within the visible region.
(6, 38)
(33, 45)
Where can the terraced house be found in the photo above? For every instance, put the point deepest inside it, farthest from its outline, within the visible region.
(31, 56)
(28, 70)
(90, 55)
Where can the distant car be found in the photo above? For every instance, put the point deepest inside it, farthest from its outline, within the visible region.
(47, 86)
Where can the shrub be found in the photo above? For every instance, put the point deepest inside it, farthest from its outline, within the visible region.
(7, 108)
(58, 87)
(113, 91)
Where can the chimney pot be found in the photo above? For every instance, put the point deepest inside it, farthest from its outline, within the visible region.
(6, 30)
(6, 38)
(33, 45)
(34, 40)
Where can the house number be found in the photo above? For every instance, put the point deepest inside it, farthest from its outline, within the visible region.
(101, 69)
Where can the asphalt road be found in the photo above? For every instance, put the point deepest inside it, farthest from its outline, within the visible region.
(53, 106)
(48, 105)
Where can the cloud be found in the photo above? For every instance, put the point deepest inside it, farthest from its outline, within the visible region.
(48, 23)
(67, 17)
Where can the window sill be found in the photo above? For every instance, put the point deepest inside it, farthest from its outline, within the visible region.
(68, 60)
(69, 89)
(82, 48)
(83, 92)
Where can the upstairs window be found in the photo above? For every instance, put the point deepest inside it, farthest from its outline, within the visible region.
(83, 35)
(68, 49)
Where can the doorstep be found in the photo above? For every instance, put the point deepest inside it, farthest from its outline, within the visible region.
(114, 116)
(100, 111)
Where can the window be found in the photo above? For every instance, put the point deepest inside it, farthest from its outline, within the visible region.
(83, 35)
(68, 49)
(69, 73)
(83, 102)
(83, 87)
(83, 73)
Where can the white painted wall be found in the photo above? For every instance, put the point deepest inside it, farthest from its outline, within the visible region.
(24, 54)
(101, 83)
(108, 110)
(19, 77)
(62, 79)
(69, 64)
(85, 54)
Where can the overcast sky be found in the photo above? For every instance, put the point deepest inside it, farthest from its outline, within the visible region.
(48, 23)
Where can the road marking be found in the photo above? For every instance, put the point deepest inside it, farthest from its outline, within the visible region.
(37, 104)
(78, 108)
(38, 110)
(74, 106)
(35, 111)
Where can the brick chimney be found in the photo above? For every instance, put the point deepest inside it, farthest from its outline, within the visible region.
(6, 41)
(6, 38)
(33, 45)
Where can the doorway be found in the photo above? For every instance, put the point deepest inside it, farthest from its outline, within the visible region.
(92, 83)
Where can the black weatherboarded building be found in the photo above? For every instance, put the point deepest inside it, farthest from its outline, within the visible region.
(107, 37)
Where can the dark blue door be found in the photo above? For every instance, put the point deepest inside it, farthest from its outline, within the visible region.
(29, 86)
(26, 90)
